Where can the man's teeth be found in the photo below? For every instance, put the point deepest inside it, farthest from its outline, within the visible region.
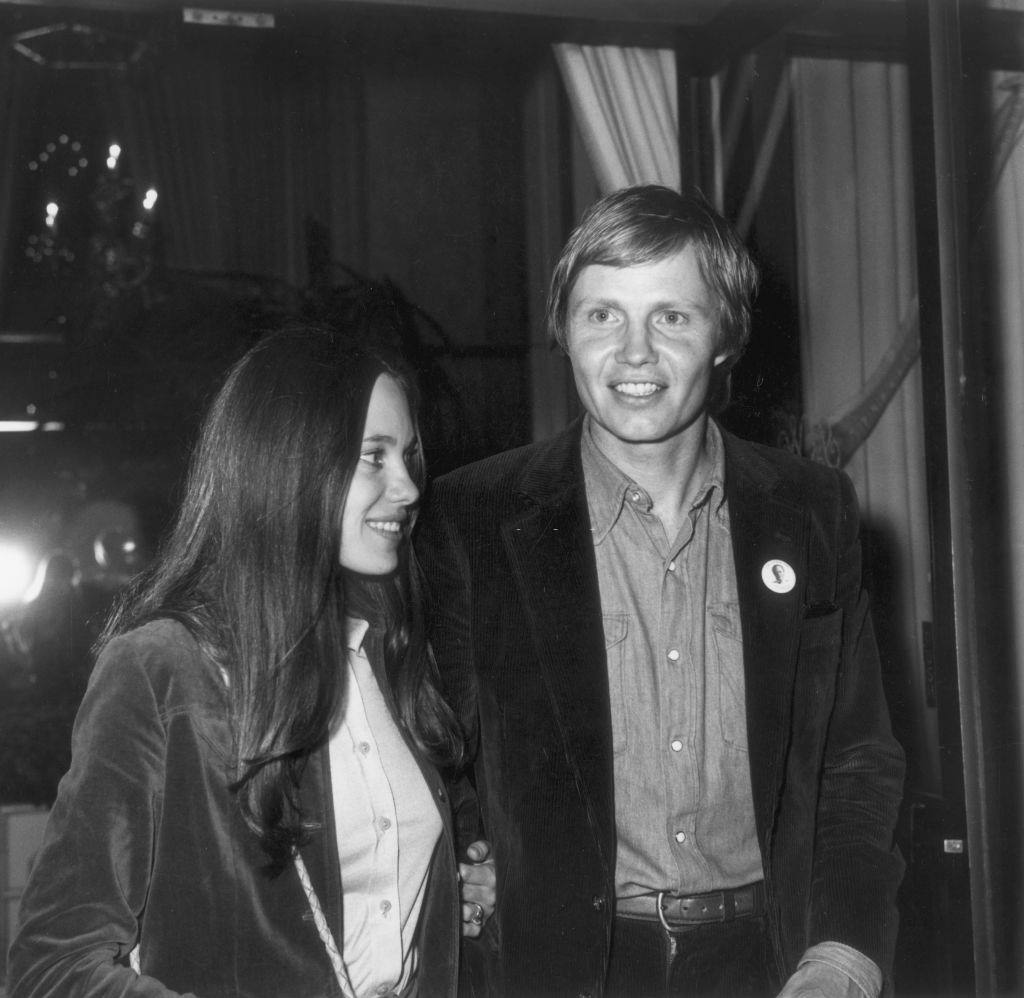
(638, 389)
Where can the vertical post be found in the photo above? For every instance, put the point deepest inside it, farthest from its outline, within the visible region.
(950, 401)
(547, 221)
(696, 145)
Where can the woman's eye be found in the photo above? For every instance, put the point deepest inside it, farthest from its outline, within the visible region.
(375, 458)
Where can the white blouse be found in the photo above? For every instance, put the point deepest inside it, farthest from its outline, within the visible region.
(388, 826)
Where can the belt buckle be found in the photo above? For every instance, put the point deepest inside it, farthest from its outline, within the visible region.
(661, 918)
(727, 911)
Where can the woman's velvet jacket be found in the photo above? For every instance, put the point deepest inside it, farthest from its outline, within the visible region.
(146, 841)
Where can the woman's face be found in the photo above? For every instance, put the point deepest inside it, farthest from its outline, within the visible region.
(376, 518)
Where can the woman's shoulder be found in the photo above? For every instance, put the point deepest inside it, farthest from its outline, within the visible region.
(164, 656)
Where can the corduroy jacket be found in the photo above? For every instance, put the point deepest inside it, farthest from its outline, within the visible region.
(146, 842)
(518, 635)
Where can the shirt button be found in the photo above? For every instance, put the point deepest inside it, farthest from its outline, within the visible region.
(385, 907)
(364, 747)
(635, 496)
(440, 793)
(598, 902)
(382, 989)
(671, 566)
(680, 837)
(385, 823)
(677, 745)
(673, 655)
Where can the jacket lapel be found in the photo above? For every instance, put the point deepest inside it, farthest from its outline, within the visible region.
(552, 558)
(320, 853)
(766, 525)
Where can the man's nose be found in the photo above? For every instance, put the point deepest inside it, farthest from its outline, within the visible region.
(636, 346)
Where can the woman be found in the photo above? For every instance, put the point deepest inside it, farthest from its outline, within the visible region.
(253, 806)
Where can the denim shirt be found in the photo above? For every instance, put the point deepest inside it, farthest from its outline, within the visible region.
(684, 808)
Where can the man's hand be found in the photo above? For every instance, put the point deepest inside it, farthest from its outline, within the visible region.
(819, 980)
(477, 888)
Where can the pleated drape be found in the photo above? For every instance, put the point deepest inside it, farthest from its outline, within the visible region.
(1005, 223)
(857, 279)
(625, 104)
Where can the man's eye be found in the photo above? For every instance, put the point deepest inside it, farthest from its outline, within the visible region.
(375, 458)
(675, 318)
(601, 315)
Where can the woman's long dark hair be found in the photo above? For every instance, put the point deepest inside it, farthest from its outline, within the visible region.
(252, 569)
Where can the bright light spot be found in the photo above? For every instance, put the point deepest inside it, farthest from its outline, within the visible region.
(51, 213)
(18, 425)
(52, 427)
(150, 199)
(31, 409)
(17, 571)
(113, 155)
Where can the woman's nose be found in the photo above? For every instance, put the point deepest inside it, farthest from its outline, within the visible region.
(402, 489)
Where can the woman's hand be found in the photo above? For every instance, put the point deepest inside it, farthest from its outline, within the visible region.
(476, 888)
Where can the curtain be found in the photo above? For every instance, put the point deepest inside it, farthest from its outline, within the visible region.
(625, 104)
(19, 85)
(857, 283)
(1005, 222)
(243, 150)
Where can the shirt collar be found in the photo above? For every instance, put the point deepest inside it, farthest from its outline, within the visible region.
(609, 488)
(355, 633)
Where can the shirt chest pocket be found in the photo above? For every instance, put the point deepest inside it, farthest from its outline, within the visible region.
(727, 666)
(616, 628)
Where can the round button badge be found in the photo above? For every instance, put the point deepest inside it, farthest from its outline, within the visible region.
(778, 576)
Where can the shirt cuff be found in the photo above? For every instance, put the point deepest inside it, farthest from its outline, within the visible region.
(861, 969)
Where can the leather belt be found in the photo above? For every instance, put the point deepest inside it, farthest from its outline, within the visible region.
(677, 913)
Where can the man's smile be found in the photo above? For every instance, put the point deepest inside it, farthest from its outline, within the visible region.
(637, 389)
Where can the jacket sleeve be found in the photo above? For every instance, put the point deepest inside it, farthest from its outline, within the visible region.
(81, 911)
(856, 868)
(439, 549)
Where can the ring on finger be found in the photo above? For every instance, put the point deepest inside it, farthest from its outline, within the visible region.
(477, 918)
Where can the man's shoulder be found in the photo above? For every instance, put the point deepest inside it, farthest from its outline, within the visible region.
(776, 470)
(505, 470)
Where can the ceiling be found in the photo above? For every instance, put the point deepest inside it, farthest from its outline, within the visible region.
(666, 12)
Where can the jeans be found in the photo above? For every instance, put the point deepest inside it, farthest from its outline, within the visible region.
(710, 960)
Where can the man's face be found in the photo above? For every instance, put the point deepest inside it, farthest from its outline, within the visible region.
(643, 342)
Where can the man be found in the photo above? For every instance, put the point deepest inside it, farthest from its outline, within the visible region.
(656, 638)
